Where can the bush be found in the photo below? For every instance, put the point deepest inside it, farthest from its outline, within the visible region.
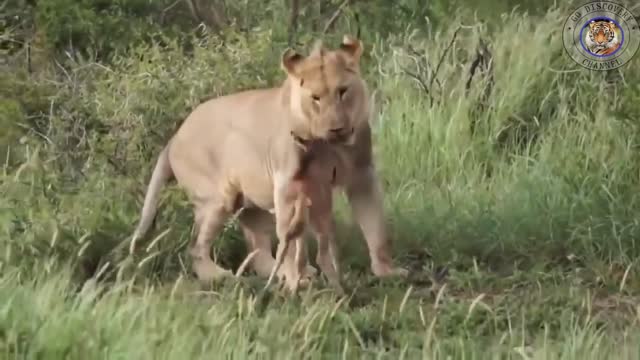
(101, 26)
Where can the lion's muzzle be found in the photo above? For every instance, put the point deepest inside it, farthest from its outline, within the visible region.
(341, 135)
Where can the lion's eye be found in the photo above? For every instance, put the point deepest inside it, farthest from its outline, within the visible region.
(315, 97)
(341, 92)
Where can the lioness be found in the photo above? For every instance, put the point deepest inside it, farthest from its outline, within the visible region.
(237, 151)
(311, 198)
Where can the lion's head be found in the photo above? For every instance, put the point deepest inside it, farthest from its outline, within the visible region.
(327, 94)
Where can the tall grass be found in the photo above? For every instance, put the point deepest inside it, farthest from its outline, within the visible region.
(40, 319)
(527, 195)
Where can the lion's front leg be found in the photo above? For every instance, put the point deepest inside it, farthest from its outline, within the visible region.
(364, 195)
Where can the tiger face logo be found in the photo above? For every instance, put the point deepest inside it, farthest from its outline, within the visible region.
(601, 35)
(602, 38)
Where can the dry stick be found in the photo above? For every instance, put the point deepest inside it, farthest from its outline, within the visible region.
(219, 12)
(282, 249)
(213, 20)
(335, 16)
(482, 60)
(165, 10)
(246, 262)
(488, 64)
(444, 54)
(416, 76)
(193, 10)
(433, 78)
(29, 67)
(420, 81)
(417, 54)
(293, 20)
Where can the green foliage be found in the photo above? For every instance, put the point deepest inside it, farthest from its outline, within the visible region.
(10, 114)
(41, 318)
(102, 27)
(24, 106)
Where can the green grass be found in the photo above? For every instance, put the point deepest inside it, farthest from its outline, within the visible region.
(520, 235)
(476, 315)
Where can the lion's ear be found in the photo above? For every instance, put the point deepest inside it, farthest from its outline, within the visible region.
(352, 46)
(290, 61)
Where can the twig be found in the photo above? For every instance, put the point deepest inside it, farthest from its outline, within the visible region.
(293, 20)
(165, 10)
(219, 15)
(335, 16)
(482, 60)
(444, 54)
(420, 81)
(171, 6)
(29, 128)
(214, 20)
(417, 54)
(29, 67)
(66, 73)
(246, 262)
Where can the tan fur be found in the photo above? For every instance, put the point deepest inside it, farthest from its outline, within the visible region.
(236, 151)
(311, 187)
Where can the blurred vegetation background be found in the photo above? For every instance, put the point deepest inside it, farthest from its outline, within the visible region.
(511, 179)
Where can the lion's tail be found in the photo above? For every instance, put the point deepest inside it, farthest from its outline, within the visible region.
(161, 174)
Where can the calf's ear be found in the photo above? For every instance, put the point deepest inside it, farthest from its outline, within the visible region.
(352, 47)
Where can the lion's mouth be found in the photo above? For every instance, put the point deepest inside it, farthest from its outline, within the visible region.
(341, 135)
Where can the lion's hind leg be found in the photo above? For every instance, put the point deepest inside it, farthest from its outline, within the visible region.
(210, 216)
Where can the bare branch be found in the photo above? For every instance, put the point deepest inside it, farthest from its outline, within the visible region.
(210, 15)
(420, 81)
(165, 10)
(29, 66)
(193, 10)
(335, 16)
(417, 77)
(293, 20)
(218, 15)
(444, 54)
(419, 55)
(484, 62)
